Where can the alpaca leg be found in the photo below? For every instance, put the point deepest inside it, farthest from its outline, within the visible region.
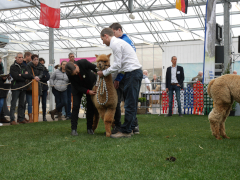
(214, 118)
(222, 124)
(95, 120)
(108, 120)
(102, 112)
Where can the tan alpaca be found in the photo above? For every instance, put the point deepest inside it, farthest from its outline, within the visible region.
(106, 111)
(223, 90)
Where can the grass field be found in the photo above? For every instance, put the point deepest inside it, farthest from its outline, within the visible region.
(47, 151)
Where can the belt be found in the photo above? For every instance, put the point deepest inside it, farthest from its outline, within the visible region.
(174, 84)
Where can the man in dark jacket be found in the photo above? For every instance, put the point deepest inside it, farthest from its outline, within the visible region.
(45, 78)
(82, 80)
(174, 82)
(69, 90)
(27, 58)
(19, 74)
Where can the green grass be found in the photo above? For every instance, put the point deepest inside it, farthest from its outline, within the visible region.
(47, 151)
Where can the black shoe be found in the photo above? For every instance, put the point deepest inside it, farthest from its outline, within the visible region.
(74, 133)
(180, 115)
(115, 130)
(44, 118)
(168, 115)
(90, 131)
(136, 130)
(68, 118)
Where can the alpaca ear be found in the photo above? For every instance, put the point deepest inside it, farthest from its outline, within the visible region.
(96, 55)
(109, 55)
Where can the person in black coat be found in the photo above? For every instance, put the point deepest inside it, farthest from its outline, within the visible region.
(174, 82)
(19, 74)
(82, 80)
(35, 70)
(45, 78)
(3, 93)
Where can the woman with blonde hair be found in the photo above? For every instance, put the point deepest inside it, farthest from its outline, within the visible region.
(59, 81)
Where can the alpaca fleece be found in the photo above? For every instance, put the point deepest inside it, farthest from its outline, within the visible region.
(106, 111)
(223, 90)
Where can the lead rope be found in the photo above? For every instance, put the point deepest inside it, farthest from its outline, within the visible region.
(104, 88)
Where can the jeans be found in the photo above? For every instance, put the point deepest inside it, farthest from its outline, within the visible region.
(44, 102)
(131, 91)
(177, 91)
(61, 99)
(69, 100)
(1, 104)
(63, 111)
(75, 111)
(29, 102)
(20, 96)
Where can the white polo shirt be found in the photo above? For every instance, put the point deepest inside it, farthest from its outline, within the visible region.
(174, 75)
(125, 58)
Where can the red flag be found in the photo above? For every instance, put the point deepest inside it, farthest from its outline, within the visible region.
(50, 13)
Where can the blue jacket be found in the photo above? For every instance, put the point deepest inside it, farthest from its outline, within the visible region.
(126, 38)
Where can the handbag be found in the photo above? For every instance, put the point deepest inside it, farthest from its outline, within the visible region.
(28, 81)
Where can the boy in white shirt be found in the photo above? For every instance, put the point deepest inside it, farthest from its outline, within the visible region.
(125, 60)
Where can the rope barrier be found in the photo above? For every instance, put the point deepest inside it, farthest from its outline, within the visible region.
(29, 84)
(16, 88)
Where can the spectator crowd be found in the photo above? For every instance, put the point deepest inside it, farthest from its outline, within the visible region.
(28, 67)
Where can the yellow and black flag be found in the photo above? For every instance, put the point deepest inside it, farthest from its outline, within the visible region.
(182, 5)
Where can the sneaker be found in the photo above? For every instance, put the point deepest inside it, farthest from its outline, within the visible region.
(180, 115)
(120, 135)
(74, 133)
(168, 115)
(68, 118)
(115, 130)
(136, 130)
(90, 131)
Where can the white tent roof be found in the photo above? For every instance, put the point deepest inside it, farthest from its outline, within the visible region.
(103, 13)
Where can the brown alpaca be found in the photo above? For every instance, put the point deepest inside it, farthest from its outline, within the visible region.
(223, 90)
(106, 111)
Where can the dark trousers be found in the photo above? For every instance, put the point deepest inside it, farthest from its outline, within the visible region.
(117, 116)
(177, 91)
(69, 94)
(75, 111)
(131, 91)
(60, 98)
(19, 95)
(44, 102)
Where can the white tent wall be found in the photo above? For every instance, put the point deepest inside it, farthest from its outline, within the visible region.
(186, 52)
(151, 59)
(189, 54)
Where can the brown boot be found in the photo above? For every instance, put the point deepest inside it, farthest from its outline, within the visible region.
(53, 112)
(30, 117)
(26, 120)
(60, 116)
(4, 120)
(13, 123)
(22, 122)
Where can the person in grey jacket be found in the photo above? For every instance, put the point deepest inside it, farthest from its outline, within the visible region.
(59, 81)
